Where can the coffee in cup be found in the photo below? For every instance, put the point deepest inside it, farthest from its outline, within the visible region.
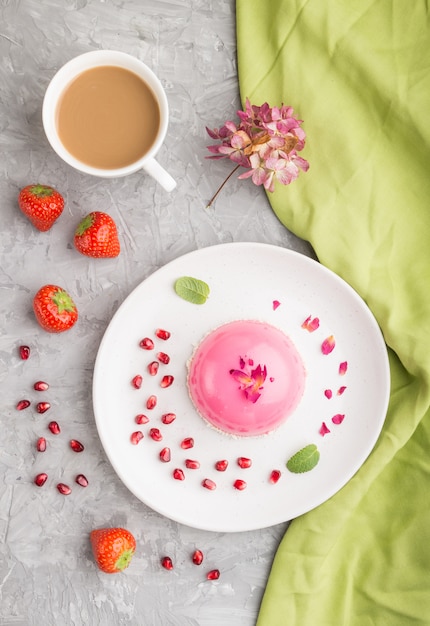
(106, 114)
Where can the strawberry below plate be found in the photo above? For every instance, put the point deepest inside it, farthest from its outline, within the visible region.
(342, 410)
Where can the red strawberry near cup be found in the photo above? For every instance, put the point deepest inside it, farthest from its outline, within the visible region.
(54, 309)
(113, 548)
(42, 205)
(97, 236)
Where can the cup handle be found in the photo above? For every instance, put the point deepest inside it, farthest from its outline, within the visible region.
(154, 169)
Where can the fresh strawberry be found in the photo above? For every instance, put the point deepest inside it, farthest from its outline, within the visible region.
(97, 236)
(54, 309)
(41, 204)
(113, 548)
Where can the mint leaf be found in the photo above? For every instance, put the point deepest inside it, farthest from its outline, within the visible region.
(192, 289)
(304, 460)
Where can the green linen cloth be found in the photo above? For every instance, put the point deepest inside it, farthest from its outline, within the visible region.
(357, 72)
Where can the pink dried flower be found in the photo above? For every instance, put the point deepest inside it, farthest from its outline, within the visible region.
(328, 345)
(265, 142)
(251, 382)
(311, 324)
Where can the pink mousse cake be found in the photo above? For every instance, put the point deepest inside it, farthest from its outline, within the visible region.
(246, 377)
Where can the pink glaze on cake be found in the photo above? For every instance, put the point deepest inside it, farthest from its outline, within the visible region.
(246, 377)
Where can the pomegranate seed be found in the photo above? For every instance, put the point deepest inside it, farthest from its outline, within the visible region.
(41, 444)
(137, 381)
(81, 480)
(163, 358)
(155, 434)
(153, 368)
(221, 466)
(213, 574)
(42, 407)
(275, 475)
(76, 446)
(244, 462)
(151, 402)
(24, 352)
(197, 557)
(187, 443)
(162, 334)
(178, 474)
(165, 455)
(54, 428)
(141, 419)
(166, 381)
(40, 479)
(41, 386)
(147, 344)
(64, 489)
(168, 418)
(209, 484)
(191, 464)
(166, 562)
(136, 437)
(239, 484)
(23, 404)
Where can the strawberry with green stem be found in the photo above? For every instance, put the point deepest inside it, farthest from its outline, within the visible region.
(96, 236)
(113, 548)
(54, 309)
(42, 205)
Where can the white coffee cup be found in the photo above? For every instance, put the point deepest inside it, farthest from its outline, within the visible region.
(62, 80)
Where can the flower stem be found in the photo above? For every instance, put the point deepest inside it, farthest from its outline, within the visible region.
(212, 200)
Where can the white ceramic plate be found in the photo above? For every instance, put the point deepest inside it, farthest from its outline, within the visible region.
(245, 279)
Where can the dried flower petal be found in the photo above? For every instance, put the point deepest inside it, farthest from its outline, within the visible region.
(328, 394)
(338, 418)
(324, 430)
(328, 345)
(275, 305)
(341, 390)
(343, 367)
(311, 324)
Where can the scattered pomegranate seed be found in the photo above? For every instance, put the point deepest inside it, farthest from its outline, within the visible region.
(209, 484)
(64, 489)
(40, 479)
(166, 381)
(40, 385)
(192, 464)
(168, 418)
(42, 407)
(221, 466)
(163, 358)
(136, 437)
(155, 434)
(76, 446)
(275, 475)
(244, 462)
(24, 352)
(239, 484)
(165, 455)
(137, 381)
(213, 574)
(197, 557)
(153, 368)
(187, 443)
(162, 334)
(23, 404)
(81, 480)
(41, 444)
(54, 428)
(166, 562)
(147, 343)
(141, 419)
(178, 474)
(151, 402)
